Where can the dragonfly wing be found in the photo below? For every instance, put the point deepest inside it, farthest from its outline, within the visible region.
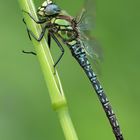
(86, 24)
(86, 19)
(94, 54)
(91, 46)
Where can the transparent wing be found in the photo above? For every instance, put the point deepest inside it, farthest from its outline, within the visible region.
(86, 24)
(91, 46)
(94, 51)
(86, 19)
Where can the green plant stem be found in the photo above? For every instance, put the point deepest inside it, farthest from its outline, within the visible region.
(56, 93)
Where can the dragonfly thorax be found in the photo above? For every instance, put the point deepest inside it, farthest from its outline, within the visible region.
(65, 30)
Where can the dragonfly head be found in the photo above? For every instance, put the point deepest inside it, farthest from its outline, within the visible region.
(48, 8)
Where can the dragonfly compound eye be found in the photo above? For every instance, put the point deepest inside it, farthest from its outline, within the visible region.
(48, 9)
(52, 9)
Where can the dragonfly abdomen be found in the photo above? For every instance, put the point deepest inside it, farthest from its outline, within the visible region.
(79, 54)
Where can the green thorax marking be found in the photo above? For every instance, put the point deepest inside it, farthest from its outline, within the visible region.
(61, 22)
(66, 31)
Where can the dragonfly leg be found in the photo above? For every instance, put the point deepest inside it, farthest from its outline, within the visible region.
(30, 33)
(40, 36)
(27, 29)
(49, 40)
(37, 21)
(60, 46)
(28, 52)
(33, 53)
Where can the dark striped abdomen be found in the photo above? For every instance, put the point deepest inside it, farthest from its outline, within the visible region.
(80, 55)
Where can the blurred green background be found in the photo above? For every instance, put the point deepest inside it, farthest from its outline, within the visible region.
(25, 107)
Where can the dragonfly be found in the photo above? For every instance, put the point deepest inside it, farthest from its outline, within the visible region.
(75, 33)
